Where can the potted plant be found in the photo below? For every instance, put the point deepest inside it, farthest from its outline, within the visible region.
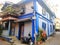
(39, 37)
(44, 36)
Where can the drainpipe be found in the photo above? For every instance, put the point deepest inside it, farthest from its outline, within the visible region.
(34, 18)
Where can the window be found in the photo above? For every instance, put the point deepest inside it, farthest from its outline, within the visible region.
(50, 28)
(43, 12)
(53, 27)
(5, 25)
(22, 9)
(50, 17)
(44, 25)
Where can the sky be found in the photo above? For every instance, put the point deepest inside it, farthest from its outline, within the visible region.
(53, 4)
(14, 1)
(57, 7)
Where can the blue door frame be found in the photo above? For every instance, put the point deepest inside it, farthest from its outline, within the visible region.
(33, 31)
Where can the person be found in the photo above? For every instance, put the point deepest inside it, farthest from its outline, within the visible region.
(29, 36)
(30, 39)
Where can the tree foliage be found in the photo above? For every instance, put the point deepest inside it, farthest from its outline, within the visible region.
(14, 9)
(10, 10)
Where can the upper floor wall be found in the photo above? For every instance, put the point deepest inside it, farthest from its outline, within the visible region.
(43, 12)
(28, 7)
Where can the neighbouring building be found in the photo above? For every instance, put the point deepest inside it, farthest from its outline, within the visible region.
(57, 24)
(34, 14)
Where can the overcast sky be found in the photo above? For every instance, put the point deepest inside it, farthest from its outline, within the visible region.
(56, 4)
(14, 1)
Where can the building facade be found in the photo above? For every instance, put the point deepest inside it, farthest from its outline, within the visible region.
(34, 14)
(57, 24)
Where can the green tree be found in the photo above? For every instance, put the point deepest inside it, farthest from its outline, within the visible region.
(10, 9)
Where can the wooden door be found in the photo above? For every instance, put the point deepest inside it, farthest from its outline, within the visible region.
(21, 30)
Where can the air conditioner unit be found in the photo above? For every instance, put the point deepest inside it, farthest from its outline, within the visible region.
(22, 11)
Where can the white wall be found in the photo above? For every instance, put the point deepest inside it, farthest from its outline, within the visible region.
(28, 7)
(5, 33)
(39, 8)
(40, 26)
(40, 23)
(27, 28)
(47, 15)
(50, 29)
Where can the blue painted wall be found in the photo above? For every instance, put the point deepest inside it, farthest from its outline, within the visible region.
(33, 30)
(49, 22)
(37, 23)
(25, 16)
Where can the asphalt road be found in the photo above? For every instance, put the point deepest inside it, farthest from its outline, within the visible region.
(54, 40)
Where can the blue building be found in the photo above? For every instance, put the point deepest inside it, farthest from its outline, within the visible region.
(34, 14)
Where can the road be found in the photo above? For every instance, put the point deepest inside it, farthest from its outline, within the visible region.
(4, 43)
(54, 40)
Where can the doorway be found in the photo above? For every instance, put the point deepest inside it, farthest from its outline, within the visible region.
(21, 28)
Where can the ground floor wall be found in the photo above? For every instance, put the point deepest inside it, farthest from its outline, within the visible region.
(31, 26)
(13, 31)
(27, 28)
(45, 24)
(5, 33)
